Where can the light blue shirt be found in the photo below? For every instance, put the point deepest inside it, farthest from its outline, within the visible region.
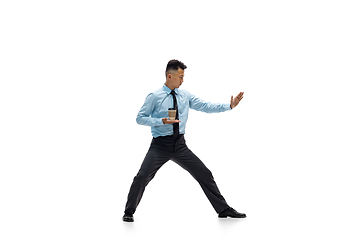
(157, 104)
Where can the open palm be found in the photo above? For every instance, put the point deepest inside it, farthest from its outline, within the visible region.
(235, 101)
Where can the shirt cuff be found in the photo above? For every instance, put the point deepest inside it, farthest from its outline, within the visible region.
(227, 107)
(159, 121)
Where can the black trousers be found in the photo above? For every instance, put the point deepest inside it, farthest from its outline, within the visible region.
(163, 149)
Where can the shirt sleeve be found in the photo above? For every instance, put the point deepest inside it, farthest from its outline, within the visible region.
(144, 115)
(208, 107)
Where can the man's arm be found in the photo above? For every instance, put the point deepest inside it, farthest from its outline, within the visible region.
(143, 116)
(208, 107)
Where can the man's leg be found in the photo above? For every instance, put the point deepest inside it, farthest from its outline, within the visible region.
(191, 163)
(154, 159)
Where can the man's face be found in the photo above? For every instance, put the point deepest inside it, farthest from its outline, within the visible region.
(178, 77)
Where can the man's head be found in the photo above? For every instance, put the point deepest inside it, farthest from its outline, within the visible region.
(174, 74)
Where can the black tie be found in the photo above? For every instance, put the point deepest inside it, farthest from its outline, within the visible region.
(175, 125)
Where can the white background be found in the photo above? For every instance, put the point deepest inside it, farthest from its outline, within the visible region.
(75, 73)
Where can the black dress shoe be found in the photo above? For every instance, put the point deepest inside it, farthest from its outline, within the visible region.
(230, 212)
(128, 218)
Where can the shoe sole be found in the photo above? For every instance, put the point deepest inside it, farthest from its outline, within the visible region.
(128, 220)
(231, 217)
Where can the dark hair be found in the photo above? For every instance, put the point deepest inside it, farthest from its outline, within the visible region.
(174, 65)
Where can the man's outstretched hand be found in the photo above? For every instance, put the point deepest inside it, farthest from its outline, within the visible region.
(235, 101)
(168, 121)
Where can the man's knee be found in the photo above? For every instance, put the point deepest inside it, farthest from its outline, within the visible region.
(143, 178)
(201, 174)
(208, 173)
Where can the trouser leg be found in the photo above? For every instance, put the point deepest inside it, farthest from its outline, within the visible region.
(154, 159)
(190, 162)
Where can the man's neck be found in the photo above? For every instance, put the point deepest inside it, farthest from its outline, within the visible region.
(171, 88)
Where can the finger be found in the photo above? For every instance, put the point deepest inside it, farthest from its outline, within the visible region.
(232, 98)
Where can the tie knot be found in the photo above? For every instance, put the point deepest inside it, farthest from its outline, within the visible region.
(172, 92)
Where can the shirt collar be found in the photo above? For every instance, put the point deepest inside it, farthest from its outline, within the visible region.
(168, 90)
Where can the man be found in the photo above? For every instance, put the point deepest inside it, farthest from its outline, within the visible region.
(168, 140)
